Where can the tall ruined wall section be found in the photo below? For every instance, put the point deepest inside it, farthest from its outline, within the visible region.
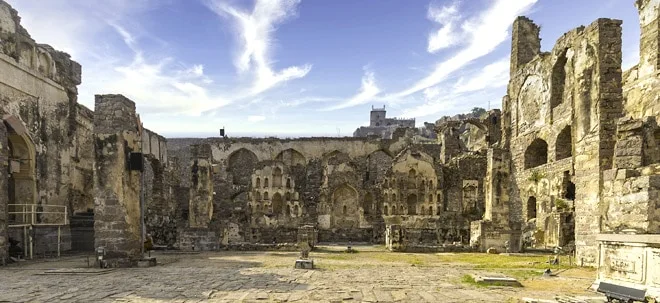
(641, 88)
(38, 92)
(560, 116)
(117, 179)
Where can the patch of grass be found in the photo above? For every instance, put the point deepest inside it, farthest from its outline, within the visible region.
(489, 261)
(469, 279)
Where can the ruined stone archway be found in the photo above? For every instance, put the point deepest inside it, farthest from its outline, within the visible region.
(21, 156)
(291, 157)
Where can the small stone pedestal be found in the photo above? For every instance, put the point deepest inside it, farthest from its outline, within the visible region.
(304, 264)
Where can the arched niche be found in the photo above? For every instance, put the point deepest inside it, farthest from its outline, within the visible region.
(291, 157)
(241, 164)
(345, 196)
(412, 204)
(277, 203)
(277, 177)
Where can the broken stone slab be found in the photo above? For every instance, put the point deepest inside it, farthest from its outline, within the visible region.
(304, 264)
(147, 262)
(496, 281)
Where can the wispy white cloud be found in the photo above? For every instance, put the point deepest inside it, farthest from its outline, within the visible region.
(256, 118)
(255, 30)
(368, 90)
(484, 34)
(448, 35)
(492, 75)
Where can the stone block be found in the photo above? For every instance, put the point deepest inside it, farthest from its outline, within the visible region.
(304, 264)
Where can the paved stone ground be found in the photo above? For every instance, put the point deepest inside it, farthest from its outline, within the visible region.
(263, 277)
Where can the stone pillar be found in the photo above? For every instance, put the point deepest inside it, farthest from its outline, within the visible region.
(117, 209)
(525, 42)
(4, 197)
(649, 48)
(497, 187)
(201, 187)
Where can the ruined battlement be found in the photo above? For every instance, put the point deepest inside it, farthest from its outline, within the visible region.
(16, 43)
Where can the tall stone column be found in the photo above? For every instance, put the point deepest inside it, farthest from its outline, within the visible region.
(117, 210)
(201, 188)
(4, 195)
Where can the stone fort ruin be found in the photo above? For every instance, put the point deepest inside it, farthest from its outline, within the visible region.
(572, 160)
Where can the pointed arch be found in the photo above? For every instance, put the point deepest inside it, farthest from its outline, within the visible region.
(291, 157)
(241, 164)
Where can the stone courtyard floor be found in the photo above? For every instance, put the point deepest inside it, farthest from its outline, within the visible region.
(370, 275)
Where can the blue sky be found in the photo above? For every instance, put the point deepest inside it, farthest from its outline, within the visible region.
(292, 68)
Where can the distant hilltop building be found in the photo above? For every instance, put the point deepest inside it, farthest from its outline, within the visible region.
(380, 125)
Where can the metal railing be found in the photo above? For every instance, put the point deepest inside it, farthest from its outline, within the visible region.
(28, 216)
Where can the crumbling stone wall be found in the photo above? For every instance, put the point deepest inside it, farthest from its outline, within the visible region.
(38, 89)
(117, 212)
(641, 87)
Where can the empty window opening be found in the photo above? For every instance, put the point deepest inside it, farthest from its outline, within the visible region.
(412, 204)
(531, 208)
(258, 182)
(536, 154)
(288, 183)
(564, 144)
(558, 80)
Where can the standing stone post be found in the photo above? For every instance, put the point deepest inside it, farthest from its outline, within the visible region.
(201, 189)
(117, 174)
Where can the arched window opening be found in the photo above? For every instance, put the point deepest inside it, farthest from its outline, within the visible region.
(257, 196)
(287, 196)
(265, 195)
(558, 80)
(277, 177)
(564, 144)
(412, 204)
(265, 182)
(288, 182)
(344, 210)
(536, 154)
(385, 210)
(531, 208)
(258, 182)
